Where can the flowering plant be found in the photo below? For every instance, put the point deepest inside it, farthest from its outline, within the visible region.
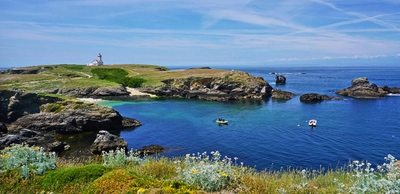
(26, 160)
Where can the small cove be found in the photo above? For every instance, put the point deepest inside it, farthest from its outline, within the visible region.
(272, 134)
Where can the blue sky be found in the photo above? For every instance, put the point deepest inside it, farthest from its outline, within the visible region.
(200, 32)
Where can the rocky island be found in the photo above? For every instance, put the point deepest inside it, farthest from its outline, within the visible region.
(361, 88)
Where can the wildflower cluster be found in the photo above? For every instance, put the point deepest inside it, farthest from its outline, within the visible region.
(384, 179)
(210, 174)
(26, 160)
(119, 157)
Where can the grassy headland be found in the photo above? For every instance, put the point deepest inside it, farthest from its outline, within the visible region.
(73, 76)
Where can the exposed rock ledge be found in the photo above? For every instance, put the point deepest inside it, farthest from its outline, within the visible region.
(282, 95)
(214, 88)
(46, 116)
(361, 88)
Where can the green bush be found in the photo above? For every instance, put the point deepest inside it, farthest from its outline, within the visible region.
(26, 160)
(117, 75)
(71, 67)
(84, 174)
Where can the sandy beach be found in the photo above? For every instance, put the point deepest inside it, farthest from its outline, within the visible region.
(135, 92)
(92, 100)
(132, 92)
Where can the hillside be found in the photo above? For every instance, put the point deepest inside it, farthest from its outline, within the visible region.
(71, 76)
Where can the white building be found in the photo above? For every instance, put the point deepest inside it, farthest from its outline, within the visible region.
(96, 62)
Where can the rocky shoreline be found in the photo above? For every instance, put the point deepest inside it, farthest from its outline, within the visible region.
(38, 119)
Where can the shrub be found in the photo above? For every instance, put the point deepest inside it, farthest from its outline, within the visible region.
(120, 158)
(210, 174)
(117, 75)
(26, 160)
(71, 67)
(384, 179)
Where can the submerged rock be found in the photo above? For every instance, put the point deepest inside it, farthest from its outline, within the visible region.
(151, 149)
(314, 97)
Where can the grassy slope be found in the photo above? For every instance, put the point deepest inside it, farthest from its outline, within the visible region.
(71, 76)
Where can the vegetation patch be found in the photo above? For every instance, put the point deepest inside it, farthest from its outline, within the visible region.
(116, 181)
(71, 67)
(118, 75)
(66, 176)
(53, 107)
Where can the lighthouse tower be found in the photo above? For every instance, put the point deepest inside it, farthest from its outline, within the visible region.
(96, 62)
(99, 61)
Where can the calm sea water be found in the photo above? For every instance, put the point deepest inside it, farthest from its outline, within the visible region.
(269, 134)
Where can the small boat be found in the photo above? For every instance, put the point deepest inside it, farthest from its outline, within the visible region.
(312, 123)
(221, 121)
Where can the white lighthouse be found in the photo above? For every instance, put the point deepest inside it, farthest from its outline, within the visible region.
(96, 62)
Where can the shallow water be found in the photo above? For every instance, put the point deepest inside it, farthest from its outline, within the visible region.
(273, 134)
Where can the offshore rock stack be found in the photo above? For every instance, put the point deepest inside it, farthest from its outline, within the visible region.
(361, 88)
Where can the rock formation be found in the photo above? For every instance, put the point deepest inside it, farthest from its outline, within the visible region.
(282, 95)
(234, 86)
(280, 79)
(72, 117)
(314, 97)
(16, 104)
(95, 92)
(106, 141)
(393, 90)
(36, 119)
(31, 137)
(151, 149)
(361, 88)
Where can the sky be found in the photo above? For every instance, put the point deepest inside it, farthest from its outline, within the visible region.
(200, 32)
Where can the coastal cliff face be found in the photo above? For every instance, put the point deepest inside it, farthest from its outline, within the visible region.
(94, 92)
(234, 85)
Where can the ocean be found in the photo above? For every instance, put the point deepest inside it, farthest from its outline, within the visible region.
(274, 134)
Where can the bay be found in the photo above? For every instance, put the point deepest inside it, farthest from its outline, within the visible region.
(270, 134)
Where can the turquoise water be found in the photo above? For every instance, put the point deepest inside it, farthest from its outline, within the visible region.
(272, 134)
